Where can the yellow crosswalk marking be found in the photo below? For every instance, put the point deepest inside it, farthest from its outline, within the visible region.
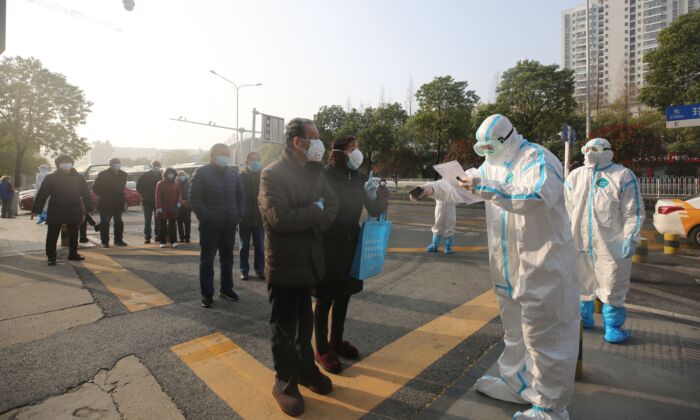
(245, 384)
(134, 292)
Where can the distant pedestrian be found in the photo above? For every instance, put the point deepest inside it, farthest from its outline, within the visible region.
(184, 215)
(251, 224)
(109, 187)
(146, 187)
(297, 205)
(167, 205)
(7, 193)
(69, 200)
(44, 170)
(355, 191)
(218, 201)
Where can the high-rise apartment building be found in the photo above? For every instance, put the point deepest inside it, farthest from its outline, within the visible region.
(621, 33)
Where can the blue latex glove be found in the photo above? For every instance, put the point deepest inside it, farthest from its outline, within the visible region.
(627, 248)
(319, 203)
(371, 187)
(179, 205)
(159, 210)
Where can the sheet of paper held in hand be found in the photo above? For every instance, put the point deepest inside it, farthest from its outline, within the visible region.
(450, 171)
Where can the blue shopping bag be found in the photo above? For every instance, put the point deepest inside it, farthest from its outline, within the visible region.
(371, 248)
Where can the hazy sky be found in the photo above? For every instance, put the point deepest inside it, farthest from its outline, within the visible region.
(306, 53)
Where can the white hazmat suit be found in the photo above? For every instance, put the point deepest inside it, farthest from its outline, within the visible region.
(607, 214)
(531, 253)
(445, 222)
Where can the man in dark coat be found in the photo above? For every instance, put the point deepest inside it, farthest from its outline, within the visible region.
(217, 198)
(146, 187)
(109, 186)
(251, 224)
(70, 199)
(297, 205)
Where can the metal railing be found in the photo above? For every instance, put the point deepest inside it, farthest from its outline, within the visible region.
(669, 187)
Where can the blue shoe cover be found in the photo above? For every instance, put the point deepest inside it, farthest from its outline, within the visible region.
(433, 247)
(614, 318)
(587, 310)
(448, 246)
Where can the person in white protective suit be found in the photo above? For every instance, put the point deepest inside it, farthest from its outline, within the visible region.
(44, 169)
(444, 227)
(531, 252)
(607, 213)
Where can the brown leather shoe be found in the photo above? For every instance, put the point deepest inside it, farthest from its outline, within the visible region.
(318, 383)
(329, 361)
(345, 349)
(292, 405)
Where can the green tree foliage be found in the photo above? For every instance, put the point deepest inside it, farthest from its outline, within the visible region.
(40, 109)
(445, 109)
(462, 151)
(634, 146)
(329, 121)
(404, 162)
(537, 99)
(382, 130)
(674, 67)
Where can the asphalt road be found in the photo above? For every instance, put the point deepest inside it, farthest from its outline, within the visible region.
(414, 289)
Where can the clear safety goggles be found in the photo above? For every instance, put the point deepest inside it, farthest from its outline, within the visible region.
(593, 149)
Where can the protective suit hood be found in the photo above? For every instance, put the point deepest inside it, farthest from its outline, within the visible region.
(602, 157)
(497, 140)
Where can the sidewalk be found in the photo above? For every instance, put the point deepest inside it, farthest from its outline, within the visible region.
(652, 376)
(37, 300)
(21, 235)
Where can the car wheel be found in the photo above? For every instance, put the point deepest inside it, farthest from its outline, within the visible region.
(694, 235)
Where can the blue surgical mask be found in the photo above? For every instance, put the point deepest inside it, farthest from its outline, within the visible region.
(156, 169)
(116, 166)
(170, 176)
(221, 161)
(255, 165)
(182, 178)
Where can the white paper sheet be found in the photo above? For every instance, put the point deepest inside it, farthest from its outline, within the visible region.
(450, 171)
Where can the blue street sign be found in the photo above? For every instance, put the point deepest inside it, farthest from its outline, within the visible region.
(683, 116)
(568, 133)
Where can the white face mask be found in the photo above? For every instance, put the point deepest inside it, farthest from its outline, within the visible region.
(66, 166)
(355, 159)
(316, 151)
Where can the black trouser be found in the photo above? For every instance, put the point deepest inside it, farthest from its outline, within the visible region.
(291, 325)
(184, 223)
(52, 233)
(83, 226)
(105, 218)
(6, 204)
(340, 311)
(167, 225)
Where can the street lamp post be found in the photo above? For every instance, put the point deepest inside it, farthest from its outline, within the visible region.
(238, 89)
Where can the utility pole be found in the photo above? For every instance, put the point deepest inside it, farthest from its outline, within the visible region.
(588, 70)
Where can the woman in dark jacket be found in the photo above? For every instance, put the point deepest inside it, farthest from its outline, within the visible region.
(354, 191)
(167, 204)
(184, 214)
